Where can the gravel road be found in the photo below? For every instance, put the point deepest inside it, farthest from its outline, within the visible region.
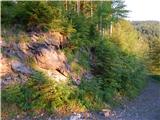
(145, 107)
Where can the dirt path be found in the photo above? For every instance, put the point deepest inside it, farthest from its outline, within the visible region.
(144, 107)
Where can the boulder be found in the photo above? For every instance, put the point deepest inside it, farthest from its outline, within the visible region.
(20, 67)
(106, 112)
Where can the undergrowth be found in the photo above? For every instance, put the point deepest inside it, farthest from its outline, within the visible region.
(117, 74)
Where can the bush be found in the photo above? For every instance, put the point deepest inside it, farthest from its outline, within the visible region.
(39, 93)
(7, 12)
(117, 74)
(35, 16)
(119, 71)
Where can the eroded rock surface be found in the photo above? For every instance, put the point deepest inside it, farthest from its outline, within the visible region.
(45, 50)
(7, 75)
(17, 66)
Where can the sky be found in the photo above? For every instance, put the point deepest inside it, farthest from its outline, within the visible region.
(143, 9)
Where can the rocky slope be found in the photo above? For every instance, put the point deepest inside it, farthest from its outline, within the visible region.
(42, 49)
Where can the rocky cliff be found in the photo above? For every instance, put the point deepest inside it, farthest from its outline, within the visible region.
(44, 52)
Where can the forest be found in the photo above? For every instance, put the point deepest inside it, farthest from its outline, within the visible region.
(64, 57)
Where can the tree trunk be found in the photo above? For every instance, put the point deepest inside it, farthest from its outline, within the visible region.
(91, 8)
(101, 31)
(111, 28)
(66, 5)
(78, 6)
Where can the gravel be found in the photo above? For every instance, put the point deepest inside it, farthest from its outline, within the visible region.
(145, 107)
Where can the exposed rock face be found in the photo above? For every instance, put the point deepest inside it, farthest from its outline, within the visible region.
(7, 75)
(13, 78)
(4, 65)
(45, 49)
(48, 56)
(57, 76)
(23, 47)
(57, 38)
(13, 50)
(20, 67)
(51, 59)
(51, 38)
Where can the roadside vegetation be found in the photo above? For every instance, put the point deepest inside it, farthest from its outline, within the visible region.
(116, 57)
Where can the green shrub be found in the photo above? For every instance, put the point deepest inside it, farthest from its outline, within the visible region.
(35, 16)
(118, 70)
(7, 12)
(38, 93)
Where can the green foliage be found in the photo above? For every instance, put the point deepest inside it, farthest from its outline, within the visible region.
(119, 10)
(90, 94)
(118, 70)
(38, 93)
(126, 36)
(149, 30)
(115, 62)
(7, 12)
(60, 16)
(35, 16)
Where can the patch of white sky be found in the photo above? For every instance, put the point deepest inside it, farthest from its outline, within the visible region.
(143, 9)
